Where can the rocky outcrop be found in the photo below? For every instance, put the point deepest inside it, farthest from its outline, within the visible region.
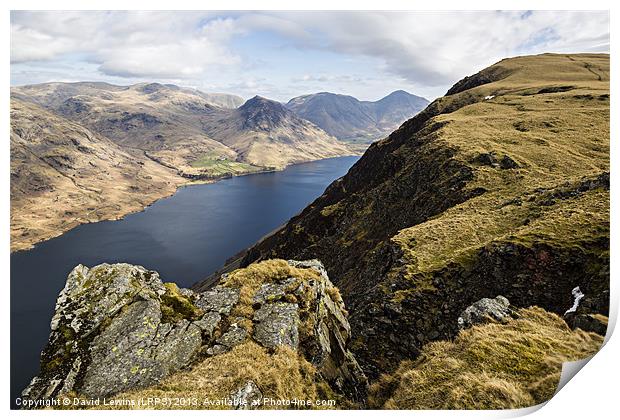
(484, 310)
(247, 396)
(117, 327)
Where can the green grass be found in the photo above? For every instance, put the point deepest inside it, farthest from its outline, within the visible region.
(558, 138)
(216, 165)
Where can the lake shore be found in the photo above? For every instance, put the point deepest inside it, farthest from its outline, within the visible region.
(118, 206)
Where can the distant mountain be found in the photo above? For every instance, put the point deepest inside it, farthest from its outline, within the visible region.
(347, 118)
(54, 93)
(265, 132)
(91, 151)
(396, 108)
(223, 100)
(184, 129)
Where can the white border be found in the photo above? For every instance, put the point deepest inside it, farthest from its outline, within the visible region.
(592, 395)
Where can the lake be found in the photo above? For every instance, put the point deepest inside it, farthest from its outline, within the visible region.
(184, 237)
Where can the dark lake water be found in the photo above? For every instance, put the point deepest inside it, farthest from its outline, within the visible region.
(185, 238)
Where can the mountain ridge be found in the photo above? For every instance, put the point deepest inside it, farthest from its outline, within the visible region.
(445, 210)
(348, 118)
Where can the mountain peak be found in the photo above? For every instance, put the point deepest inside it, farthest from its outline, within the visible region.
(260, 113)
(149, 88)
(399, 92)
(346, 117)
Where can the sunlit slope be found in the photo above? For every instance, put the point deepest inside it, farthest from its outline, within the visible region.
(499, 187)
(63, 174)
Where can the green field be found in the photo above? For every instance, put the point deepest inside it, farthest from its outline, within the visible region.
(217, 166)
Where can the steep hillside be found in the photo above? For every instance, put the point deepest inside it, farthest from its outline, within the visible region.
(347, 118)
(499, 187)
(490, 367)
(264, 132)
(62, 175)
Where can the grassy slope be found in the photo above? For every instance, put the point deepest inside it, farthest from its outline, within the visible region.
(556, 138)
(63, 174)
(425, 223)
(492, 366)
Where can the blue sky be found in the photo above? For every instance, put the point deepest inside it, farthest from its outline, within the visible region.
(280, 55)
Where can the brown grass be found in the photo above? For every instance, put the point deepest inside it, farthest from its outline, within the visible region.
(284, 375)
(248, 281)
(491, 366)
(556, 137)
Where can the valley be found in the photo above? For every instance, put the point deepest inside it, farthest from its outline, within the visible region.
(457, 264)
(89, 151)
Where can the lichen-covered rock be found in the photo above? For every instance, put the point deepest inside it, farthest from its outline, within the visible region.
(247, 397)
(277, 325)
(118, 327)
(485, 309)
(108, 333)
(234, 336)
(272, 291)
(219, 299)
(208, 323)
(326, 345)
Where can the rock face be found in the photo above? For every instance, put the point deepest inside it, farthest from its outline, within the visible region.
(118, 327)
(247, 397)
(497, 309)
(113, 330)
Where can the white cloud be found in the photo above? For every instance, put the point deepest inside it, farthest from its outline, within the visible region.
(425, 50)
(127, 44)
(440, 47)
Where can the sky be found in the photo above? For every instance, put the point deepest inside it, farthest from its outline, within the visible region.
(280, 55)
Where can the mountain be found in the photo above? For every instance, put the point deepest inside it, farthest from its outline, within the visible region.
(223, 100)
(347, 118)
(468, 259)
(173, 125)
(395, 109)
(264, 132)
(63, 174)
(159, 136)
(501, 187)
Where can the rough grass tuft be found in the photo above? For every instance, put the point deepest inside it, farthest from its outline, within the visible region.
(175, 306)
(283, 375)
(492, 366)
(248, 280)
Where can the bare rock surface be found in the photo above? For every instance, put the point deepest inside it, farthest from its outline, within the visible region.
(485, 309)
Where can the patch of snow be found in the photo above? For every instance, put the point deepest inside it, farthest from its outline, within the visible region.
(578, 295)
(486, 98)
